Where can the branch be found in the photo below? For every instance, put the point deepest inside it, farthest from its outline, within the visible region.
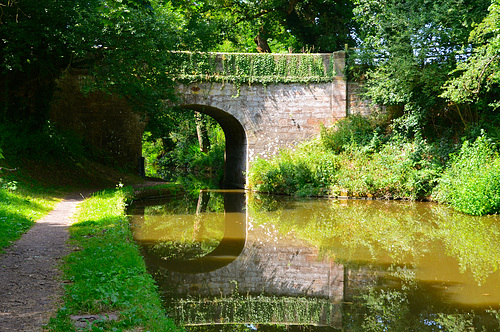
(8, 169)
(480, 78)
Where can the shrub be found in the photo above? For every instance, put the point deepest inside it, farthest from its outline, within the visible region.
(306, 171)
(401, 169)
(471, 184)
(355, 129)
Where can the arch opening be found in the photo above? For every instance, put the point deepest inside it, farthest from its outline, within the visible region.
(235, 158)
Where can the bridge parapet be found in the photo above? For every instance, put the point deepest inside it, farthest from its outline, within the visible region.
(264, 68)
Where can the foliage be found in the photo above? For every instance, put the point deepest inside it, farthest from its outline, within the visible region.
(107, 273)
(479, 74)
(471, 183)
(173, 151)
(255, 68)
(355, 129)
(121, 44)
(411, 46)
(399, 170)
(273, 25)
(307, 170)
(132, 57)
(352, 159)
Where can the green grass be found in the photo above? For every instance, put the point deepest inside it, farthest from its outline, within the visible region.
(19, 209)
(106, 272)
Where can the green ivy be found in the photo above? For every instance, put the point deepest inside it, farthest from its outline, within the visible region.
(250, 68)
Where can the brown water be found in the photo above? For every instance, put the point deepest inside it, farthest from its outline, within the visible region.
(236, 261)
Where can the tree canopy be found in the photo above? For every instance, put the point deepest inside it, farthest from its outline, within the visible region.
(479, 76)
(272, 25)
(411, 46)
(123, 44)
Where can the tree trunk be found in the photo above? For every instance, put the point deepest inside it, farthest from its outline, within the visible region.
(262, 45)
(202, 132)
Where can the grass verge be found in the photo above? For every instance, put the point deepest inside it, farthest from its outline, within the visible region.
(106, 272)
(19, 209)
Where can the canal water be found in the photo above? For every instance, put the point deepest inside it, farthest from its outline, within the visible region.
(240, 261)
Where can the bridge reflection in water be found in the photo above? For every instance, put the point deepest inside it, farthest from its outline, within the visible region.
(403, 265)
(236, 273)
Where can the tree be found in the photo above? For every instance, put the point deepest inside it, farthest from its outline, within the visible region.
(411, 46)
(479, 75)
(124, 45)
(318, 25)
(34, 47)
(130, 52)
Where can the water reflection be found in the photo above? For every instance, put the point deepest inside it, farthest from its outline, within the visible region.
(162, 250)
(322, 264)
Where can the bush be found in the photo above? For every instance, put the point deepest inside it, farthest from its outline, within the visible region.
(355, 129)
(471, 184)
(399, 169)
(306, 171)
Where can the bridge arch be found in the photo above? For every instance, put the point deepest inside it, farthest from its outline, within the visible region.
(235, 159)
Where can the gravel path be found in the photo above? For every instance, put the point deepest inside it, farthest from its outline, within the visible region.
(30, 285)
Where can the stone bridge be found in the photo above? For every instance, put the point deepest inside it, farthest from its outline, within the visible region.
(257, 119)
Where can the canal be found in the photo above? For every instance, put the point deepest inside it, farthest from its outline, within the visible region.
(240, 261)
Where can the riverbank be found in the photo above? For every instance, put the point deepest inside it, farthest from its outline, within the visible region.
(107, 285)
(35, 272)
(353, 159)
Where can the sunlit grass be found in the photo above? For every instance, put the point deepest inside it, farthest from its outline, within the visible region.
(19, 209)
(106, 271)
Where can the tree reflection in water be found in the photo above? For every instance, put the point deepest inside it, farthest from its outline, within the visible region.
(407, 266)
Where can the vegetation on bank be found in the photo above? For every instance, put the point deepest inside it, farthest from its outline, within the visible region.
(38, 165)
(471, 183)
(106, 272)
(367, 157)
(20, 207)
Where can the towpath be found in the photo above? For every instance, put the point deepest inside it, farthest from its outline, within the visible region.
(30, 279)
